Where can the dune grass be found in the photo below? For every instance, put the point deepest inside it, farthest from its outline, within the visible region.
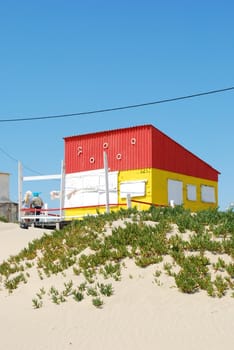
(200, 246)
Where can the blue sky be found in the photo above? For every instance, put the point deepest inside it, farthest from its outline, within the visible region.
(60, 57)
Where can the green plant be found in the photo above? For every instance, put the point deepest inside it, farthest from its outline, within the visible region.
(68, 288)
(89, 274)
(210, 289)
(111, 270)
(157, 273)
(230, 269)
(97, 302)
(76, 270)
(82, 286)
(77, 295)
(41, 293)
(144, 261)
(221, 286)
(186, 283)
(37, 303)
(106, 289)
(219, 265)
(13, 283)
(193, 274)
(92, 291)
(136, 239)
(62, 298)
(168, 267)
(54, 293)
(3, 219)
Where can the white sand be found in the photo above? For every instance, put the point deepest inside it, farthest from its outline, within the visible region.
(140, 314)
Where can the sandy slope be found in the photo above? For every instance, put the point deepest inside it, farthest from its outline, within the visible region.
(13, 238)
(140, 315)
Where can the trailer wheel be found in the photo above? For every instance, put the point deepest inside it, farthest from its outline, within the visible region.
(23, 225)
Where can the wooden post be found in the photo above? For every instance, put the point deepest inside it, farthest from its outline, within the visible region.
(129, 204)
(62, 190)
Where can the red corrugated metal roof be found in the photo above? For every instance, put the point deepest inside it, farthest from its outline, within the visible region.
(114, 131)
(170, 155)
(135, 147)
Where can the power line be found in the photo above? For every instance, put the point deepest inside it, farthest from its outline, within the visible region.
(16, 161)
(118, 108)
(8, 155)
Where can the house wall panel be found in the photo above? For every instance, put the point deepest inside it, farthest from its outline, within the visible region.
(156, 191)
(160, 193)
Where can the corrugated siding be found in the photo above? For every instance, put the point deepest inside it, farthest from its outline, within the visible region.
(169, 155)
(126, 149)
(133, 148)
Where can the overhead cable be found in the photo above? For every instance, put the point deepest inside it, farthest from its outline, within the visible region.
(117, 108)
(16, 161)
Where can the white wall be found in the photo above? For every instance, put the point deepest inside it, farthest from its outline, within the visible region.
(87, 188)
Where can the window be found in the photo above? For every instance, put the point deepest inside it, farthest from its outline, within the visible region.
(207, 194)
(175, 192)
(191, 192)
(134, 188)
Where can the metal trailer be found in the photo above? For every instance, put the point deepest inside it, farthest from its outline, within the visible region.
(28, 217)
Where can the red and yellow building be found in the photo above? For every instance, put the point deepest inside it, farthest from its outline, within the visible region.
(144, 163)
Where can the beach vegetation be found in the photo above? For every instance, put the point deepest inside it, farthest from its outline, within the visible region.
(230, 269)
(105, 289)
(68, 288)
(97, 302)
(168, 268)
(92, 291)
(98, 247)
(77, 295)
(37, 303)
(221, 286)
(3, 219)
(111, 269)
(12, 283)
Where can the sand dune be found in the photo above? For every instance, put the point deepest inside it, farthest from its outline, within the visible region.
(140, 314)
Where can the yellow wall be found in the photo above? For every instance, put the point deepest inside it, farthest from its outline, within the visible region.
(156, 188)
(159, 189)
(139, 174)
(76, 214)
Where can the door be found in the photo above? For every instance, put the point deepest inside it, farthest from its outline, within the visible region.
(175, 191)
